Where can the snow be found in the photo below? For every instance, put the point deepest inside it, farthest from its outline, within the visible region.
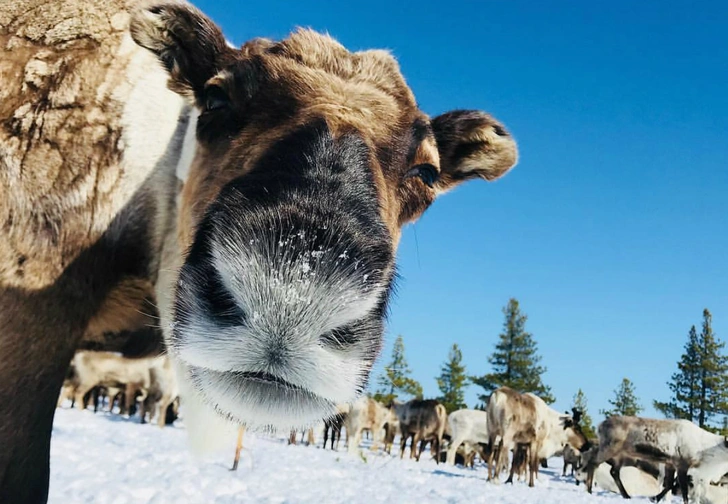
(109, 459)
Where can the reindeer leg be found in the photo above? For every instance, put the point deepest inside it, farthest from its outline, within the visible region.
(238, 448)
(667, 484)
(414, 452)
(534, 463)
(683, 481)
(80, 392)
(95, 393)
(513, 466)
(494, 460)
(614, 471)
(590, 476)
(143, 412)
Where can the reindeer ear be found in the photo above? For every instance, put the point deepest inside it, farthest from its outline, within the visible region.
(189, 45)
(471, 144)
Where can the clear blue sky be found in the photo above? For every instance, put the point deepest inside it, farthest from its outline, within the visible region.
(612, 231)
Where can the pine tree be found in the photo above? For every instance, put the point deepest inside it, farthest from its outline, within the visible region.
(395, 380)
(625, 402)
(714, 373)
(452, 381)
(700, 386)
(580, 403)
(515, 360)
(685, 384)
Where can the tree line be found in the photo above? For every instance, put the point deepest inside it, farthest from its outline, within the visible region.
(699, 387)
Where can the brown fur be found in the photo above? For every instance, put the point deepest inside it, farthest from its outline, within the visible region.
(126, 308)
(315, 76)
(509, 425)
(62, 176)
(424, 421)
(365, 414)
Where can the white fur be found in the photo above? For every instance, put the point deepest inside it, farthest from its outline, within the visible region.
(466, 426)
(365, 414)
(636, 482)
(710, 471)
(207, 431)
(189, 147)
(555, 436)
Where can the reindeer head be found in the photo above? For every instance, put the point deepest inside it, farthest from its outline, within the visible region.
(309, 160)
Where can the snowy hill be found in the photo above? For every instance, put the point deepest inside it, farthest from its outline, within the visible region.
(107, 459)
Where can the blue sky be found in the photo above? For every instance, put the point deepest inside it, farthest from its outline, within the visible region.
(612, 231)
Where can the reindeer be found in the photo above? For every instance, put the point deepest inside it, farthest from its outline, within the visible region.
(524, 423)
(695, 458)
(334, 425)
(111, 370)
(162, 391)
(466, 426)
(423, 421)
(249, 201)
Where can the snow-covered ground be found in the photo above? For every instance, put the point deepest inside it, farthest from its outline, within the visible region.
(108, 459)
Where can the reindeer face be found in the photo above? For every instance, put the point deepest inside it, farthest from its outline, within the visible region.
(309, 160)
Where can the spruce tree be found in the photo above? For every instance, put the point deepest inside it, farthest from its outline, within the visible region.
(700, 385)
(714, 373)
(395, 380)
(515, 360)
(452, 381)
(580, 403)
(625, 402)
(685, 384)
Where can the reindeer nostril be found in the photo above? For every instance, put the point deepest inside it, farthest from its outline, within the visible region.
(338, 339)
(220, 304)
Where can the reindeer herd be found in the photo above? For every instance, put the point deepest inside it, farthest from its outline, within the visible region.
(514, 435)
(518, 432)
(148, 385)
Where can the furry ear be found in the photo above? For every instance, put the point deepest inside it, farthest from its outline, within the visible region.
(471, 144)
(189, 45)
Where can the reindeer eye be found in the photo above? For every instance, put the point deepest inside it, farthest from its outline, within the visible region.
(216, 98)
(426, 172)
